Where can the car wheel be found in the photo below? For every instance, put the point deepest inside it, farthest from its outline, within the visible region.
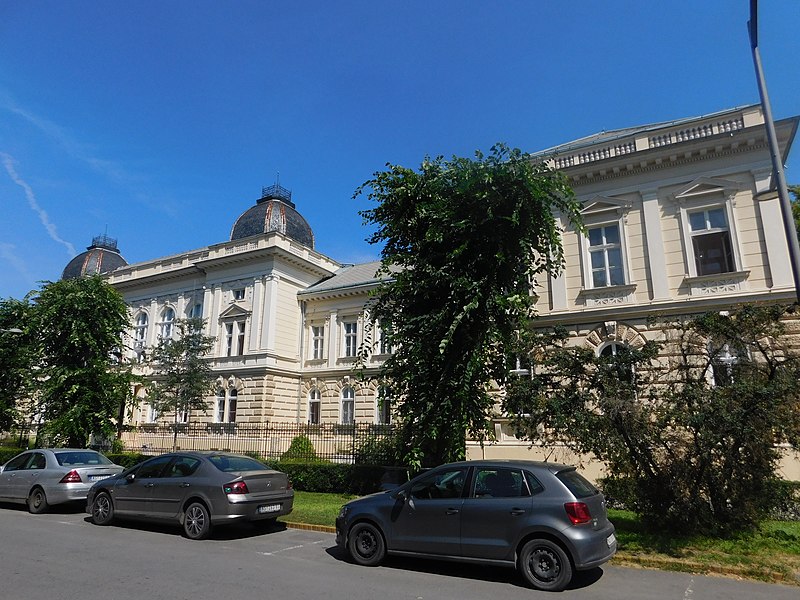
(37, 501)
(366, 544)
(102, 509)
(545, 565)
(197, 522)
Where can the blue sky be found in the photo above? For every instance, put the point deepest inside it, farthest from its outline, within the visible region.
(159, 122)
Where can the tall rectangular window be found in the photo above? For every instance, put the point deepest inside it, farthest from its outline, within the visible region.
(711, 241)
(350, 338)
(314, 401)
(348, 406)
(605, 256)
(318, 342)
(234, 338)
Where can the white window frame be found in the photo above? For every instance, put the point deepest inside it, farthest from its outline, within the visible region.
(350, 338)
(166, 327)
(196, 311)
(226, 404)
(314, 398)
(348, 397)
(383, 410)
(586, 251)
(317, 342)
(709, 230)
(234, 338)
(140, 330)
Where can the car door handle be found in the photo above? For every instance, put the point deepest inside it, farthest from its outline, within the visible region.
(515, 512)
(184, 484)
(150, 485)
(451, 511)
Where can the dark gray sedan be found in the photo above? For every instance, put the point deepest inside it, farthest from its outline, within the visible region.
(194, 489)
(46, 476)
(545, 519)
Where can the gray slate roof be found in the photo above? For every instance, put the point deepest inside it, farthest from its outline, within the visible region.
(349, 276)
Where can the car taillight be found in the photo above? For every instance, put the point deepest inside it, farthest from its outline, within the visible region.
(289, 484)
(71, 477)
(237, 487)
(578, 512)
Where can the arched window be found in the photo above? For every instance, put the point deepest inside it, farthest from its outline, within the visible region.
(196, 311)
(383, 407)
(233, 398)
(348, 406)
(617, 355)
(219, 409)
(140, 331)
(314, 403)
(167, 321)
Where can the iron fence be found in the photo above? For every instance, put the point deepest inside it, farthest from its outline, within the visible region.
(345, 443)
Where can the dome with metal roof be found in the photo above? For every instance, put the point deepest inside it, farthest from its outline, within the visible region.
(101, 257)
(274, 211)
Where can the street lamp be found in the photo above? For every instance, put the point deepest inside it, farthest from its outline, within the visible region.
(777, 164)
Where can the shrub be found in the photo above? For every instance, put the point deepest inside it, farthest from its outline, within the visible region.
(300, 450)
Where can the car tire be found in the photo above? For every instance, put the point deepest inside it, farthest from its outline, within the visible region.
(37, 501)
(545, 565)
(366, 544)
(102, 509)
(197, 521)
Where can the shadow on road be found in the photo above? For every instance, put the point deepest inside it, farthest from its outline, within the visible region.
(581, 579)
(234, 531)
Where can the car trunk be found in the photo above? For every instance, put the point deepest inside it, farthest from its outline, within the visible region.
(90, 474)
(265, 484)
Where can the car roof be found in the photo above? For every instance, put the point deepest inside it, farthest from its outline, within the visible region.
(508, 462)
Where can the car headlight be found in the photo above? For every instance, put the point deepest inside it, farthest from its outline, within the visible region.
(343, 511)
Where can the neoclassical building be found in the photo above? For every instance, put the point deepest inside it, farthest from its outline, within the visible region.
(682, 217)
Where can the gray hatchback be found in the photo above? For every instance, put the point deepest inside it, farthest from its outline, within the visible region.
(194, 489)
(545, 519)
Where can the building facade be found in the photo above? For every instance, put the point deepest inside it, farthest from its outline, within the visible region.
(681, 217)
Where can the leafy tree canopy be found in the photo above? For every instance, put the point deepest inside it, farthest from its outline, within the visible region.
(690, 423)
(463, 241)
(16, 360)
(79, 326)
(182, 376)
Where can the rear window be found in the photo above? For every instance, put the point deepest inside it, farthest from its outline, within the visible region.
(229, 464)
(577, 484)
(81, 458)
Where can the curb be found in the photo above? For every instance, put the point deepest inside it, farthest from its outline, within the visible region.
(621, 559)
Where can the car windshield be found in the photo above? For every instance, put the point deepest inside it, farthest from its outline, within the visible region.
(81, 458)
(230, 463)
(576, 484)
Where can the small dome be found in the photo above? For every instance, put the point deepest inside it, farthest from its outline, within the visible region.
(101, 257)
(274, 211)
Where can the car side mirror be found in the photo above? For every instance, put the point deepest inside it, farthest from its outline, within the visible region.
(130, 477)
(405, 496)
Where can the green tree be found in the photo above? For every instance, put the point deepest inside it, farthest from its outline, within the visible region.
(463, 240)
(691, 423)
(16, 361)
(182, 376)
(82, 383)
(795, 190)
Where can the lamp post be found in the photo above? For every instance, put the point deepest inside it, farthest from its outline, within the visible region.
(777, 164)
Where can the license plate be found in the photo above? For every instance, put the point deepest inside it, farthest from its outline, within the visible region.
(268, 508)
(98, 477)
(611, 540)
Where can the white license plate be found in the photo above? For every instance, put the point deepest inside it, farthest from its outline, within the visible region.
(611, 540)
(98, 477)
(268, 508)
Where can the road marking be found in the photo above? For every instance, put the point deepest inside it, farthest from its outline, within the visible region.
(281, 550)
(688, 593)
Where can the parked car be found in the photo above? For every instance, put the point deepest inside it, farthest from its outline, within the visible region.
(545, 519)
(48, 476)
(194, 489)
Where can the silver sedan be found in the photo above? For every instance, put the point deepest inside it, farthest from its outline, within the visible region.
(194, 489)
(47, 476)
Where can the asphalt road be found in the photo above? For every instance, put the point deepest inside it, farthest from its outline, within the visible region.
(62, 556)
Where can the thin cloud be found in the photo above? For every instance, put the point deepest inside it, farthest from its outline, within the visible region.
(73, 148)
(8, 163)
